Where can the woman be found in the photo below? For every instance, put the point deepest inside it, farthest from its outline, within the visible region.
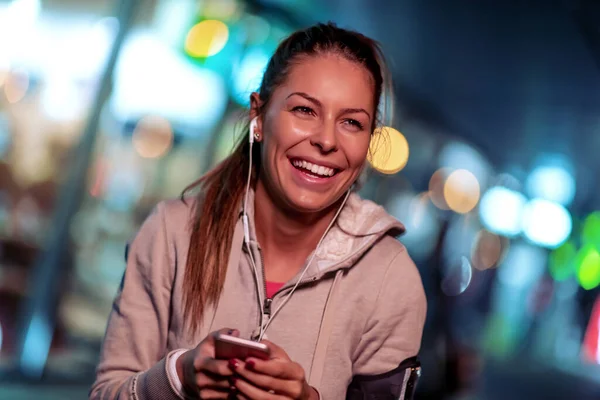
(274, 245)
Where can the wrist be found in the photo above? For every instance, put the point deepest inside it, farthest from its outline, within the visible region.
(182, 371)
(179, 368)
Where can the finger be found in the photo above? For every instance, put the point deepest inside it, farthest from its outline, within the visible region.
(208, 345)
(218, 368)
(291, 388)
(276, 368)
(224, 331)
(251, 392)
(213, 394)
(208, 380)
(276, 351)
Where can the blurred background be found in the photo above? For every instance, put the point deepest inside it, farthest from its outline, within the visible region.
(107, 107)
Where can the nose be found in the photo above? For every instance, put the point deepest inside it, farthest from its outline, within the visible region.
(325, 139)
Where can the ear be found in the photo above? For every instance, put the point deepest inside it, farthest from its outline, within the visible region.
(255, 106)
(255, 112)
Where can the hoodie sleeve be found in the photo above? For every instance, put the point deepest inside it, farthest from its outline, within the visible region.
(133, 361)
(394, 329)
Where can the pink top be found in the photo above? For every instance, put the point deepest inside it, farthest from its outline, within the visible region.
(273, 287)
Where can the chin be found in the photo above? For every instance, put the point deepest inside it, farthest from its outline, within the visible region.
(310, 202)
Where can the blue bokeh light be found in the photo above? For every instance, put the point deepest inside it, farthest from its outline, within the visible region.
(553, 183)
(501, 209)
(247, 75)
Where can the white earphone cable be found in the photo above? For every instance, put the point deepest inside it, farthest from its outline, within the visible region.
(247, 226)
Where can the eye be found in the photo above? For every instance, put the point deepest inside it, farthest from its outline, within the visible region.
(355, 123)
(304, 110)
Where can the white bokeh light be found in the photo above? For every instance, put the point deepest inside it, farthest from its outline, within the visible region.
(546, 223)
(501, 211)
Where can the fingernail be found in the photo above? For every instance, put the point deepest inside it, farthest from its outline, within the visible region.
(229, 332)
(250, 364)
(233, 364)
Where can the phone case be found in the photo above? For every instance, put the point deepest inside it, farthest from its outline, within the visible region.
(226, 349)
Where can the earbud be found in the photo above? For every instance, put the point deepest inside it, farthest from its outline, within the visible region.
(252, 132)
(253, 124)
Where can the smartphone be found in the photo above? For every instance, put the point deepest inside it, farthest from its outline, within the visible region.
(228, 347)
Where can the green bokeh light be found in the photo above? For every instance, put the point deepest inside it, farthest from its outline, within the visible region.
(562, 261)
(590, 232)
(588, 267)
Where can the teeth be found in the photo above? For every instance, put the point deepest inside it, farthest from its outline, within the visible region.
(314, 168)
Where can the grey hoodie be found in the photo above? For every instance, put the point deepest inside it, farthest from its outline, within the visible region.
(359, 310)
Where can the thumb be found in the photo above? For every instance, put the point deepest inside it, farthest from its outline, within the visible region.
(276, 351)
(224, 331)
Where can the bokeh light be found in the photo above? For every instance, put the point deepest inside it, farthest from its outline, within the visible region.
(151, 78)
(588, 267)
(436, 188)
(501, 210)
(152, 137)
(388, 151)
(487, 250)
(206, 38)
(458, 155)
(562, 261)
(457, 277)
(248, 74)
(590, 232)
(461, 191)
(62, 100)
(419, 217)
(553, 183)
(16, 85)
(523, 266)
(546, 223)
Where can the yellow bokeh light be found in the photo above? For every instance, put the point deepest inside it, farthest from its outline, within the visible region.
(152, 137)
(461, 191)
(15, 86)
(388, 151)
(206, 38)
(436, 188)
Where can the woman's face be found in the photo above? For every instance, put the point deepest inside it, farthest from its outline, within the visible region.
(315, 132)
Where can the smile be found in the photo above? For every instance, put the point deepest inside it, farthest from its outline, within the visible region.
(315, 170)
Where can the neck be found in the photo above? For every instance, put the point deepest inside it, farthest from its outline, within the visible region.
(283, 232)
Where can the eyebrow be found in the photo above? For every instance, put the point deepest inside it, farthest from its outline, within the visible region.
(318, 103)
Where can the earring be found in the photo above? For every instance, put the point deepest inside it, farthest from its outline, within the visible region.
(256, 136)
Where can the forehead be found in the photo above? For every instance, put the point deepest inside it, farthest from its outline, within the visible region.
(331, 79)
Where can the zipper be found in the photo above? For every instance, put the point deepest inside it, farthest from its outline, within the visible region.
(267, 302)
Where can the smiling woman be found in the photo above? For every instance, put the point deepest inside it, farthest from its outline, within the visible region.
(276, 241)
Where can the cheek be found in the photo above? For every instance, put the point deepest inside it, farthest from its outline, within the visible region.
(357, 153)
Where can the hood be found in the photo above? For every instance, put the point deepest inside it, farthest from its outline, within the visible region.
(360, 224)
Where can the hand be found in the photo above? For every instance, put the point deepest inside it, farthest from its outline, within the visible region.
(201, 374)
(277, 379)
